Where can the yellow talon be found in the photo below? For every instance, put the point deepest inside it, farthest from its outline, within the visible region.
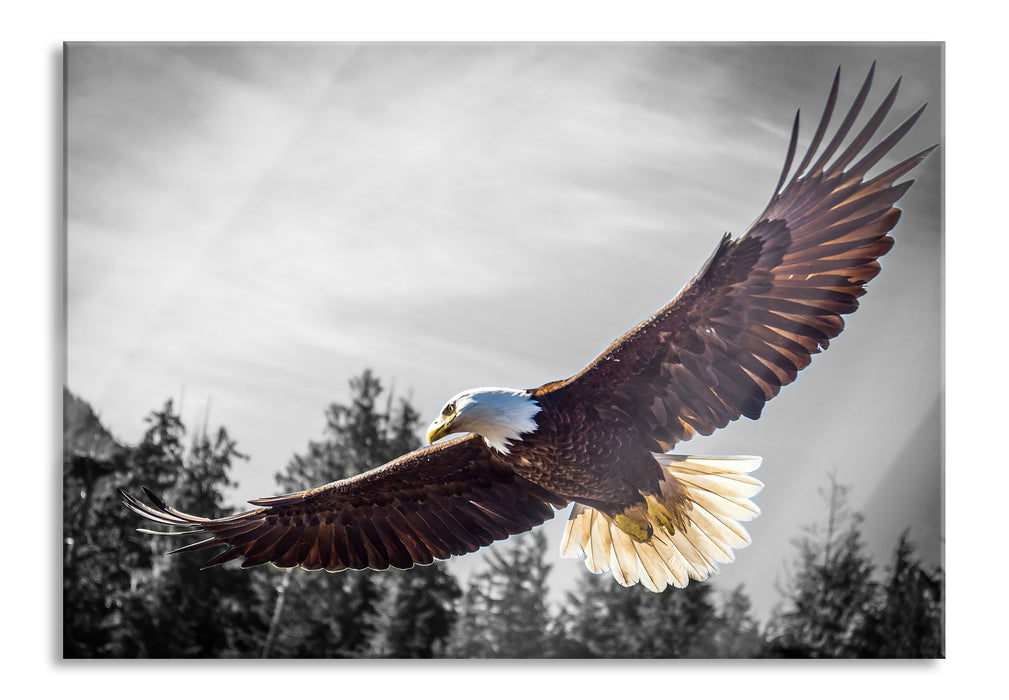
(661, 513)
(640, 530)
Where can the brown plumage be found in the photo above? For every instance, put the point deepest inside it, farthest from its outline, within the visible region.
(418, 508)
(744, 327)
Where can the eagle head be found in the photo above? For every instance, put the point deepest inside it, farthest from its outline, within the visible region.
(499, 416)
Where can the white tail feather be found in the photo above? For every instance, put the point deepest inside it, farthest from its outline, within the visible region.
(718, 490)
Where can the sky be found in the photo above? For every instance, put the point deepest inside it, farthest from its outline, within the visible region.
(250, 226)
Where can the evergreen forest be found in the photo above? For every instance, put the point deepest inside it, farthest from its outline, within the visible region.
(124, 598)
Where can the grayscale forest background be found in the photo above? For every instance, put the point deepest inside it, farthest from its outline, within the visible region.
(124, 598)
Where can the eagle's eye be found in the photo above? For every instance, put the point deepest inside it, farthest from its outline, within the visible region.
(449, 409)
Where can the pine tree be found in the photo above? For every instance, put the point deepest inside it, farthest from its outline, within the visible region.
(599, 616)
(472, 637)
(908, 618)
(737, 634)
(123, 596)
(210, 613)
(635, 623)
(93, 571)
(832, 591)
(416, 613)
(504, 612)
(207, 474)
(104, 590)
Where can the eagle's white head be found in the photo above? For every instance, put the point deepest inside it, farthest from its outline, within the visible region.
(500, 416)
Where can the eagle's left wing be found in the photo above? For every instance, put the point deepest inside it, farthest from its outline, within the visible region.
(765, 302)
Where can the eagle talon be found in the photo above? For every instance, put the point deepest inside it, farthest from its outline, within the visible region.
(637, 530)
(661, 513)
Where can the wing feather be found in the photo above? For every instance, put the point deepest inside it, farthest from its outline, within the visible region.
(446, 499)
(414, 544)
(341, 556)
(821, 128)
(766, 302)
(324, 546)
(849, 120)
(438, 537)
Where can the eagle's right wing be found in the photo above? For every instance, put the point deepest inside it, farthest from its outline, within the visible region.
(766, 302)
(446, 499)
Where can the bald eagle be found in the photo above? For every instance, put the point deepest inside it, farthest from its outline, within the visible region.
(751, 319)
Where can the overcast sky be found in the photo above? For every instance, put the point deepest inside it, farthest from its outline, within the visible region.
(249, 226)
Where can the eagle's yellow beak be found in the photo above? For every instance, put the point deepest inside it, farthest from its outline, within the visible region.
(439, 429)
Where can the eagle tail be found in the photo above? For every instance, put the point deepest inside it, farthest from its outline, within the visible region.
(685, 532)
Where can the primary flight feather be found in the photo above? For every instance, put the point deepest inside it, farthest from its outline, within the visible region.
(748, 322)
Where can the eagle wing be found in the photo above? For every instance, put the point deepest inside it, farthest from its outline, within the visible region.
(442, 500)
(765, 302)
